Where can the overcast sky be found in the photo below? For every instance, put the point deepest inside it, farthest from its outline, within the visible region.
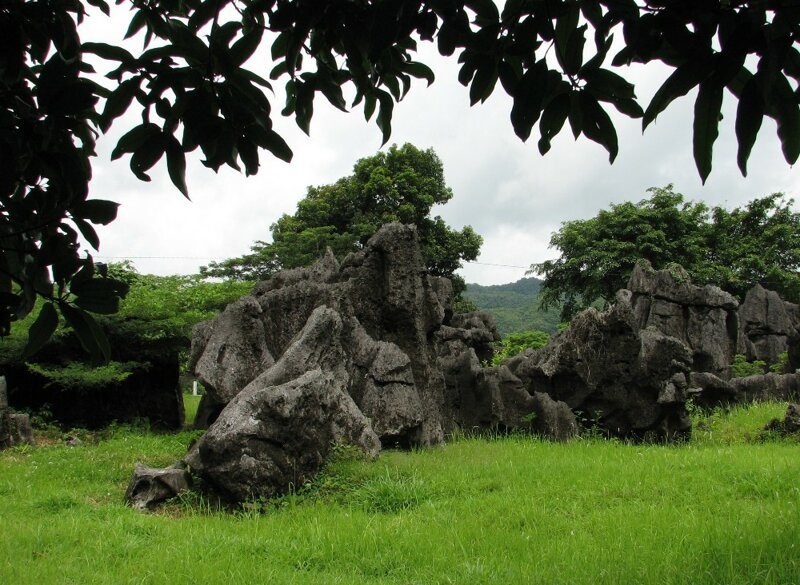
(502, 187)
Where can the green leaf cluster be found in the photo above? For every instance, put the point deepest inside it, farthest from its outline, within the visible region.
(402, 184)
(85, 377)
(516, 343)
(741, 368)
(758, 243)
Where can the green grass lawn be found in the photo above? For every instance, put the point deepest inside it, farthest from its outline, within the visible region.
(723, 508)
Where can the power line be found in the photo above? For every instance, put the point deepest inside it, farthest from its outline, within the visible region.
(159, 257)
(205, 258)
(500, 265)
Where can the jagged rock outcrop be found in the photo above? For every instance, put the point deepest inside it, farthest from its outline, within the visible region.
(702, 317)
(390, 308)
(627, 381)
(369, 353)
(15, 428)
(768, 327)
(713, 324)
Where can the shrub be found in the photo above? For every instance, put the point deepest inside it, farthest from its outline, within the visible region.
(517, 342)
(741, 368)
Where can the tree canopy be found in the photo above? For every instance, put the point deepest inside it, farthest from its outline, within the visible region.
(755, 244)
(197, 86)
(402, 184)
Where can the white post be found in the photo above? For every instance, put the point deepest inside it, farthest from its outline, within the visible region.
(194, 388)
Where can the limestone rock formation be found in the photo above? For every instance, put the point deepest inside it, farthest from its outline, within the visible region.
(369, 353)
(269, 438)
(629, 382)
(768, 326)
(704, 318)
(383, 296)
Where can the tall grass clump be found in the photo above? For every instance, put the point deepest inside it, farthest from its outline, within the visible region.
(719, 509)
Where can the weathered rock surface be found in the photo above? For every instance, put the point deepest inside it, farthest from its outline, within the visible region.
(709, 391)
(553, 419)
(269, 438)
(628, 382)
(230, 351)
(704, 318)
(15, 428)
(390, 309)
(713, 324)
(767, 387)
(768, 326)
(149, 487)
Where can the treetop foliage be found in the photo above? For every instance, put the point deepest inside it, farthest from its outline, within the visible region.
(758, 243)
(401, 184)
(196, 86)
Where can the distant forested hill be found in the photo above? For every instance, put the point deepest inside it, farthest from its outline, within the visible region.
(514, 305)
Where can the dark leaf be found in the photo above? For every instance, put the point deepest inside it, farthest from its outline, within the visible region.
(147, 155)
(706, 126)
(204, 13)
(138, 21)
(553, 118)
(277, 146)
(99, 295)
(603, 81)
(108, 52)
(384, 119)
(596, 125)
(88, 232)
(575, 115)
(573, 52)
(102, 5)
(419, 70)
(749, 115)
(119, 101)
(484, 82)
(244, 48)
(783, 108)
(176, 165)
(97, 211)
(41, 330)
(248, 152)
(678, 84)
(89, 333)
(485, 9)
(134, 139)
(528, 96)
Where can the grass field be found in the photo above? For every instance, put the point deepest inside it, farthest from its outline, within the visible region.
(723, 508)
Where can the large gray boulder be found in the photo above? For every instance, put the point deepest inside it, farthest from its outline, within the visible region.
(270, 439)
